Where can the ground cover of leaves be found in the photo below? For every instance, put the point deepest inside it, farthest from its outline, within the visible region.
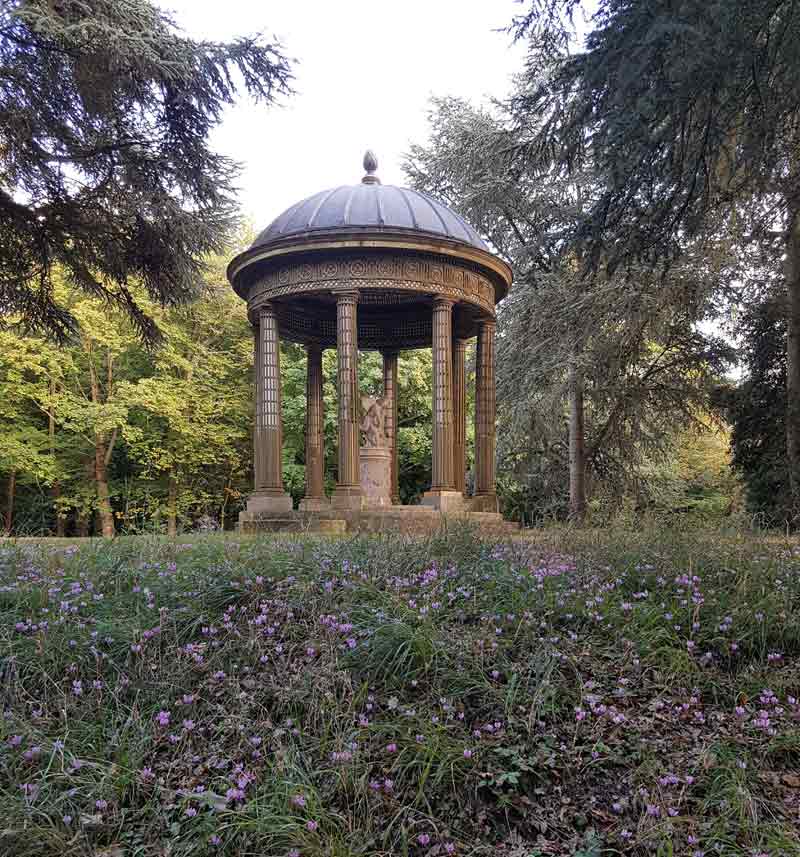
(584, 694)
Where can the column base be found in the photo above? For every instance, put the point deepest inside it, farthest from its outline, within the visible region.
(346, 497)
(446, 500)
(314, 504)
(268, 502)
(484, 503)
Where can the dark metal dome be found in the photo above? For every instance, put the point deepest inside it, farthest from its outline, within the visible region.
(371, 206)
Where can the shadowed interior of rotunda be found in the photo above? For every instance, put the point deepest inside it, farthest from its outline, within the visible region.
(372, 267)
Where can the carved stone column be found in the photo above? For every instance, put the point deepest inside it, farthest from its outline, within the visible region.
(459, 415)
(390, 392)
(269, 495)
(347, 494)
(442, 494)
(314, 499)
(259, 475)
(485, 497)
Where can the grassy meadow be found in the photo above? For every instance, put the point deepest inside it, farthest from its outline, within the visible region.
(569, 693)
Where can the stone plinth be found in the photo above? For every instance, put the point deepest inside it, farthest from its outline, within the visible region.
(445, 501)
(376, 476)
(268, 502)
(314, 504)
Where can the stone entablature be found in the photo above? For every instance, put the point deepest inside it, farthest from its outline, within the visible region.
(427, 274)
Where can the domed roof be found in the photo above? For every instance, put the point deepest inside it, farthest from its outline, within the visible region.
(370, 206)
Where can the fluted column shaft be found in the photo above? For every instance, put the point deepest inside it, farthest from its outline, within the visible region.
(459, 415)
(390, 363)
(348, 485)
(315, 423)
(485, 411)
(269, 432)
(442, 451)
(258, 431)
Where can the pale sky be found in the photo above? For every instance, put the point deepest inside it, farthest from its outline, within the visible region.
(364, 75)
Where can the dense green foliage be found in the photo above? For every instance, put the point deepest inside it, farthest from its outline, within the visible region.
(757, 411)
(688, 118)
(634, 693)
(640, 344)
(106, 169)
(146, 439)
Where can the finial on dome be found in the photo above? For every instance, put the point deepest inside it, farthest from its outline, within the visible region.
(370, 165)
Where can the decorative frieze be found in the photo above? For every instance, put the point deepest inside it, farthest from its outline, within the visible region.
(393, 272)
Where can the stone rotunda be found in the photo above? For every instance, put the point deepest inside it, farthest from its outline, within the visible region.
(372, 267)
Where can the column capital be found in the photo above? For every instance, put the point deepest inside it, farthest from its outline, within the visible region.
(443, 301)
(345, 296)
(267, 308)
(488, 322)
(459, 344)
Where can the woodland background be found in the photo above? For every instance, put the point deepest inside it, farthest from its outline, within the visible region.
(107, 433)
(643, 183)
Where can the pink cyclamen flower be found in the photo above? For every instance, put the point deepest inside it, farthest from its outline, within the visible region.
(311, 826)
(163, 718)
(467, 753)
(391, 748)
(423, 839)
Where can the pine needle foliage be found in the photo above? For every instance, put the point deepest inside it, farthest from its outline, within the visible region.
(106, 168)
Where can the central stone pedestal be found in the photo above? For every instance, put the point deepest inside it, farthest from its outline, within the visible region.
(376, 476)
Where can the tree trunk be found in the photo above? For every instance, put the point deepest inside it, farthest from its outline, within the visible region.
(793, 355)
(102, 454)
(104, 510)
(577, 446)
(82, 525)
(55, 491)
(172, 513)
(11, 491)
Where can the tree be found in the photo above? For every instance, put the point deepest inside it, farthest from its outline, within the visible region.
(26, 450)
(756, 408)
(189, 423)
(90, 403)
(106, 169)
(621, 360)
(689, 115)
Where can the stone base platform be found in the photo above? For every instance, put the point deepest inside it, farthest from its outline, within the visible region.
(410, 520)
